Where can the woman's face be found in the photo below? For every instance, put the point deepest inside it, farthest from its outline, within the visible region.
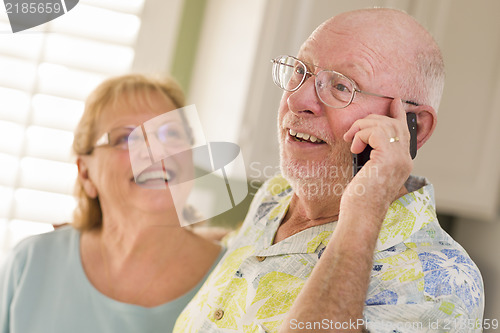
(142, 186)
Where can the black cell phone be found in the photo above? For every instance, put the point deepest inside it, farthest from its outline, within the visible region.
(358, 160)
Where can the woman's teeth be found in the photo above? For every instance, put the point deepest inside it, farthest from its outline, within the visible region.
(152, 175)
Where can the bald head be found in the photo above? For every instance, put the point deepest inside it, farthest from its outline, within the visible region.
(405, 49)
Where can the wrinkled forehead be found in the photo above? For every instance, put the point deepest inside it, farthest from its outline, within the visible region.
(360, 40)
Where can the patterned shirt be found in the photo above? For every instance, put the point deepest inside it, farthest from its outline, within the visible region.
(422, 280)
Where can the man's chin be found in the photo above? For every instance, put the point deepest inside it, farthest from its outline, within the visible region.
(315, 181)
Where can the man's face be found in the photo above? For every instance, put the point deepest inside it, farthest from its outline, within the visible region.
(324, 168)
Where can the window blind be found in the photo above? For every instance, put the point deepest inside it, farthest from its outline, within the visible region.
(47, 72)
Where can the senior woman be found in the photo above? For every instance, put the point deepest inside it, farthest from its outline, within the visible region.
(125, 264)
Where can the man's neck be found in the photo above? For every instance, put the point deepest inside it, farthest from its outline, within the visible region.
(303, 214)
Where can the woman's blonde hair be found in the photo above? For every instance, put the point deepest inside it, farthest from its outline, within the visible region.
(88, 213)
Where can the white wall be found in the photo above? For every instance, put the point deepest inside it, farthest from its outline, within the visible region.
(223, 65)
(481, 240)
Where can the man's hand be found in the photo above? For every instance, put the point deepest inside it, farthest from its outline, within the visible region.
(381, 180)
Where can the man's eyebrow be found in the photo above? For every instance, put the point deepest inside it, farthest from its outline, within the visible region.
(350, 66)
(352, 70)
(357, 68)
(356, 72)
(310, 63)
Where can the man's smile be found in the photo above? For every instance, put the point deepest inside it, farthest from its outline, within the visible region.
(304, 137)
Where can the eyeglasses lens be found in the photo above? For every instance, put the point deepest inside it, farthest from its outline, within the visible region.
(334, 89)
(119, 137)
(289, 73)
(173, 134)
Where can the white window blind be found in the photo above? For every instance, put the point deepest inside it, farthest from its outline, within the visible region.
(46, 73)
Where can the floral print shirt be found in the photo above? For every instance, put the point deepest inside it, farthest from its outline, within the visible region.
(422, 280)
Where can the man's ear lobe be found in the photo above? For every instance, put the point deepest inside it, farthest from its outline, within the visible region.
(84, 178)
(426, 123)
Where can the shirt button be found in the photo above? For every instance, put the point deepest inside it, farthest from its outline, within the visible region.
(218, 314)
(259, 258)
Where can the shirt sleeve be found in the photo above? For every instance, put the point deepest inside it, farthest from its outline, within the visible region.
(447, 299)
(446, 315)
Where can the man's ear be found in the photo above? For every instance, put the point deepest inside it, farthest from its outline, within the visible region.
(426, 123)
(84, 177)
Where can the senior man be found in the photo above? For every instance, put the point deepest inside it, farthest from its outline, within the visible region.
(320, 250)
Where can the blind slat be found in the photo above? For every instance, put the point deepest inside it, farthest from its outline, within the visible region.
(88, 54)
(95, 23)
(42, 206)
(56, 112)
(45, 175)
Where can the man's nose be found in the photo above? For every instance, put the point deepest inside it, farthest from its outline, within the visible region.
(305, 99)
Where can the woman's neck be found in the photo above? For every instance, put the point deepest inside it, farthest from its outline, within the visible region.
(124, 233)
(146, 265)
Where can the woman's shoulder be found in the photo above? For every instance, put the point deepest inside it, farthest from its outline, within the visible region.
(37, 252)
(52, 241)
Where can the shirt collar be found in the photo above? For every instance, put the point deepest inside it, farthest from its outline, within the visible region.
(405, 216)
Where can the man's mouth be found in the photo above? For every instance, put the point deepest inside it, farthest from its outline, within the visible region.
(304, 137)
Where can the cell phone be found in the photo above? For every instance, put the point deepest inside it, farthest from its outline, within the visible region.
(358, 160)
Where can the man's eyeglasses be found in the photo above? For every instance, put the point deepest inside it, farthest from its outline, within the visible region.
(170, 134)
(333, 88)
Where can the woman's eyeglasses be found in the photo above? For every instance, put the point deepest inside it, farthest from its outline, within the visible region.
(169, 134)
